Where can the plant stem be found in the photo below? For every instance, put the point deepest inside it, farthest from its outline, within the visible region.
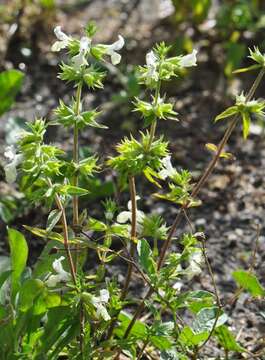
(76, 157)
(195, 192)
(76, 205)
(132, 190)
(154, 123)
(133, 235)
(65, 234)
(143, 349)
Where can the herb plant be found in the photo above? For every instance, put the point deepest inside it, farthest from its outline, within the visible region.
(68, 307)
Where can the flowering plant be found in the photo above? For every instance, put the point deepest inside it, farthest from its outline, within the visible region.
(61, 309)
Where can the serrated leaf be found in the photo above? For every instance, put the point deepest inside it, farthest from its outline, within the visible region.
(19, 256)
(249, 282)
(53, 218)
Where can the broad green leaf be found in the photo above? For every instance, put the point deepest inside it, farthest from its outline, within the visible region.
(249, 282)
(139, 329)
(189, 338)
(161, 342)
(246, 124)
(10, 84)
(19, 256)
(146, 257)
(227, 339)
(30, 290)
(206, 317)
(227, 113)
(53, 218)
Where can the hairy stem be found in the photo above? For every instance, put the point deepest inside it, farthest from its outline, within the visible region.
(132, 250)
(65, 234)
(196, 190)
(154, 123)
(76, 156)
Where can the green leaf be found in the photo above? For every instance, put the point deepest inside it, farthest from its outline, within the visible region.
(206, 318)
(249, 68)
(19, 255)
(227, 113)
(189, 338)
(30, 290)
(139, 329)
(226, 339)
(146, 257)
(161, 342)
(72, 190)
(53, 218)
(44, 233)
(246, 124)
(10, 84)
(249, 282)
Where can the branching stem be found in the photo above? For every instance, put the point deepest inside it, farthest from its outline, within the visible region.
(195, 192)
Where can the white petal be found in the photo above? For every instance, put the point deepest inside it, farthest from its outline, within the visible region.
(102, 311)
(151, 59)
(57, 265)
(10, 152)
(189, 60)
(11, 173)
(129, 205)
(178, 285)
(59, 45)
(117, 45)
(140, 216)
(163, 174)
(79, 60)
(124, 216)
(53, 280)
(60, 34)
(115, 58)
(104, 295)
(85, 43)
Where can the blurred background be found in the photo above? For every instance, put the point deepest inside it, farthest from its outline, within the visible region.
(222, 31)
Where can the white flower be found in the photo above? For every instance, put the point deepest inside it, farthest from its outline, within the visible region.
(126, 216)
(178, 285)
(11, 167)
(151, 63)
(196, 260)
(61, 274)
(112, 49)
(167, 170)
(99, 302)
(189, 60)
(80, 59)
(63, 39)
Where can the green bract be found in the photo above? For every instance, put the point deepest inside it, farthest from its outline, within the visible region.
(245, 109)
(134, 158)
